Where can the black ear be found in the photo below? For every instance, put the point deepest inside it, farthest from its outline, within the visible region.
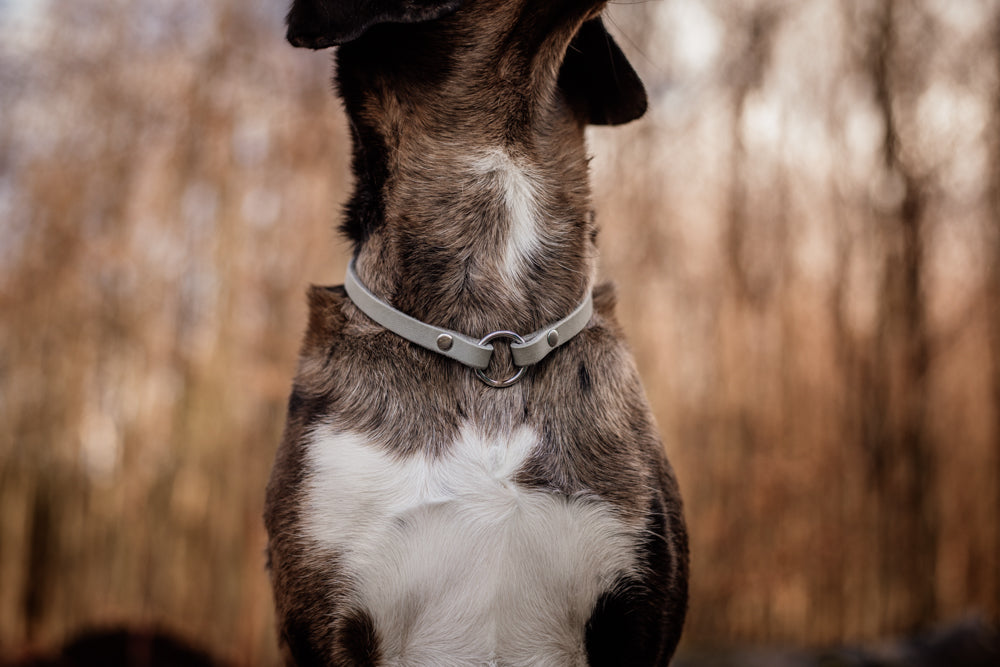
(318, 24)
(597, 76)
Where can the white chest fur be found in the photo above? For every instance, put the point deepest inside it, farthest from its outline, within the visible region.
(455, 563)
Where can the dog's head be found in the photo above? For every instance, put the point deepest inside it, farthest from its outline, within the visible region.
(594, 74)
(318, 24)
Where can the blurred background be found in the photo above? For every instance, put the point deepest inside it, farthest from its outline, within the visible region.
(804, 230)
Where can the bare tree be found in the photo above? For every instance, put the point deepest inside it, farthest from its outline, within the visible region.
(993, 292)
(901, 455)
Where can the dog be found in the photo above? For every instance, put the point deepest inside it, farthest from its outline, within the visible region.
(470, 473)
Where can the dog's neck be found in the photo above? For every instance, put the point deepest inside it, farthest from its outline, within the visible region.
(471, 208)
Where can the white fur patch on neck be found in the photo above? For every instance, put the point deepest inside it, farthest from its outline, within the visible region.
(520, 192)
(455, 562)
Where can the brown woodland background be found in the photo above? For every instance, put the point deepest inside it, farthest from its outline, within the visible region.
(805, 233)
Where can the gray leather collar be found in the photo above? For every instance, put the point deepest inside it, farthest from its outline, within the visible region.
(525, 350)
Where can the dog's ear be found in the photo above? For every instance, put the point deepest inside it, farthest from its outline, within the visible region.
(318, 24)
(597, 76)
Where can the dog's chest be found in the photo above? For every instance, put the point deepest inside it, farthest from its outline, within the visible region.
(454, 561)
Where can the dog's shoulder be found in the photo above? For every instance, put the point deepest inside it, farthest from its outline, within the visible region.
(310, 397)
(605, 297)
(606, 300)
(323, 345)
(326, 316)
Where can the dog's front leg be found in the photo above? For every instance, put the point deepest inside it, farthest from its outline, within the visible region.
(638, 623)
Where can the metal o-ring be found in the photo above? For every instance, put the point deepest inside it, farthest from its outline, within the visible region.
(509, 335)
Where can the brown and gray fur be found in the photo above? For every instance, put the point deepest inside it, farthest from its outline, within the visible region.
(439, 96)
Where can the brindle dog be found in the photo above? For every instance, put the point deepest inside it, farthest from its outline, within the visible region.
(417, 516)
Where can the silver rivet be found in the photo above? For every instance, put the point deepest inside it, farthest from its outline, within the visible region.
(444, 342)
(553, 338)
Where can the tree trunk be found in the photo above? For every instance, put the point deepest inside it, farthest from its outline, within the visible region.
(902, 460)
